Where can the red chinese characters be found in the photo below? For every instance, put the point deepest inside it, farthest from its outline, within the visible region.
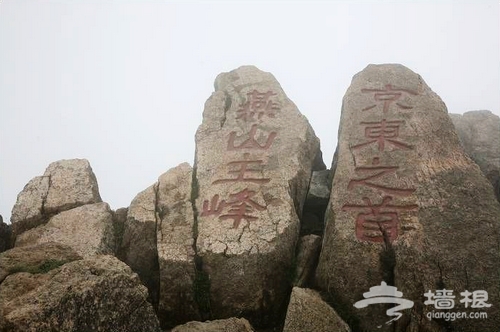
(380, 222)
(377, 222)
(249, 167)
(258, 104)
(388, 96)
(240, 206)
(382, 132)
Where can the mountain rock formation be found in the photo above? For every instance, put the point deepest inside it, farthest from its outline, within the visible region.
(259, 236)
(479, 133)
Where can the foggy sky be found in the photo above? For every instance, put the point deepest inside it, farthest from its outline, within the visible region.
(123, 83)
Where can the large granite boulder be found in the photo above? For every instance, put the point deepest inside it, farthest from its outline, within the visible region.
(254, 156)
(407, 208)
(176, 254)
(221, 325)
(94, 294)
(66, 184)
(479, 133)
(87, 229)
(308, 312)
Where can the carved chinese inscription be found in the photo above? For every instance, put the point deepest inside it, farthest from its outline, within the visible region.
(387, 96)
(240, 206)
(251, 142)
(380, 222)
(258, 104)
(382, 132)
(246, 168)
(377, 222)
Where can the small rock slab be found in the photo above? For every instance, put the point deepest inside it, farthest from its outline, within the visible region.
(221, 325)
(308, 312)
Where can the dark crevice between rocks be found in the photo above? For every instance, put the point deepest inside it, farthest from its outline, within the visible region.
(201, 284)
(312, 219)
(387, 259)
(155, 274)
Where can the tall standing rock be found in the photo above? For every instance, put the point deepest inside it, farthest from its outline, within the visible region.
(138, 247)
(407, 207)
(176, 254)
(479, 133)
(254, 155)
(158, 244)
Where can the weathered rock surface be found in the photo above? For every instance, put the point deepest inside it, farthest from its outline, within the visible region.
(176, 254)
(5, 235)
(95, 294)
(221, 325)
(254, 156)
(308, 250)
(87, 229)
(28, 212)
(319, 189)
(308, 312)
(72, 184)
(158, 243)
(479, 133)
(35, 259)
(138, 247)
(407, 207)
(66, 184)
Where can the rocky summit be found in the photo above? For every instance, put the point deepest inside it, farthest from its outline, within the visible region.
(400, 234)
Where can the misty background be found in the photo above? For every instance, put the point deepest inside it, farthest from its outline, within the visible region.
(123, 83)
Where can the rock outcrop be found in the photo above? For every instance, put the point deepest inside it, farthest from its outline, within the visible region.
(66, 184)
(87, 229)
(408, 208)
(308, 312)
(221, 325)
(94, 294)
(479, 133)
(254, 157)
